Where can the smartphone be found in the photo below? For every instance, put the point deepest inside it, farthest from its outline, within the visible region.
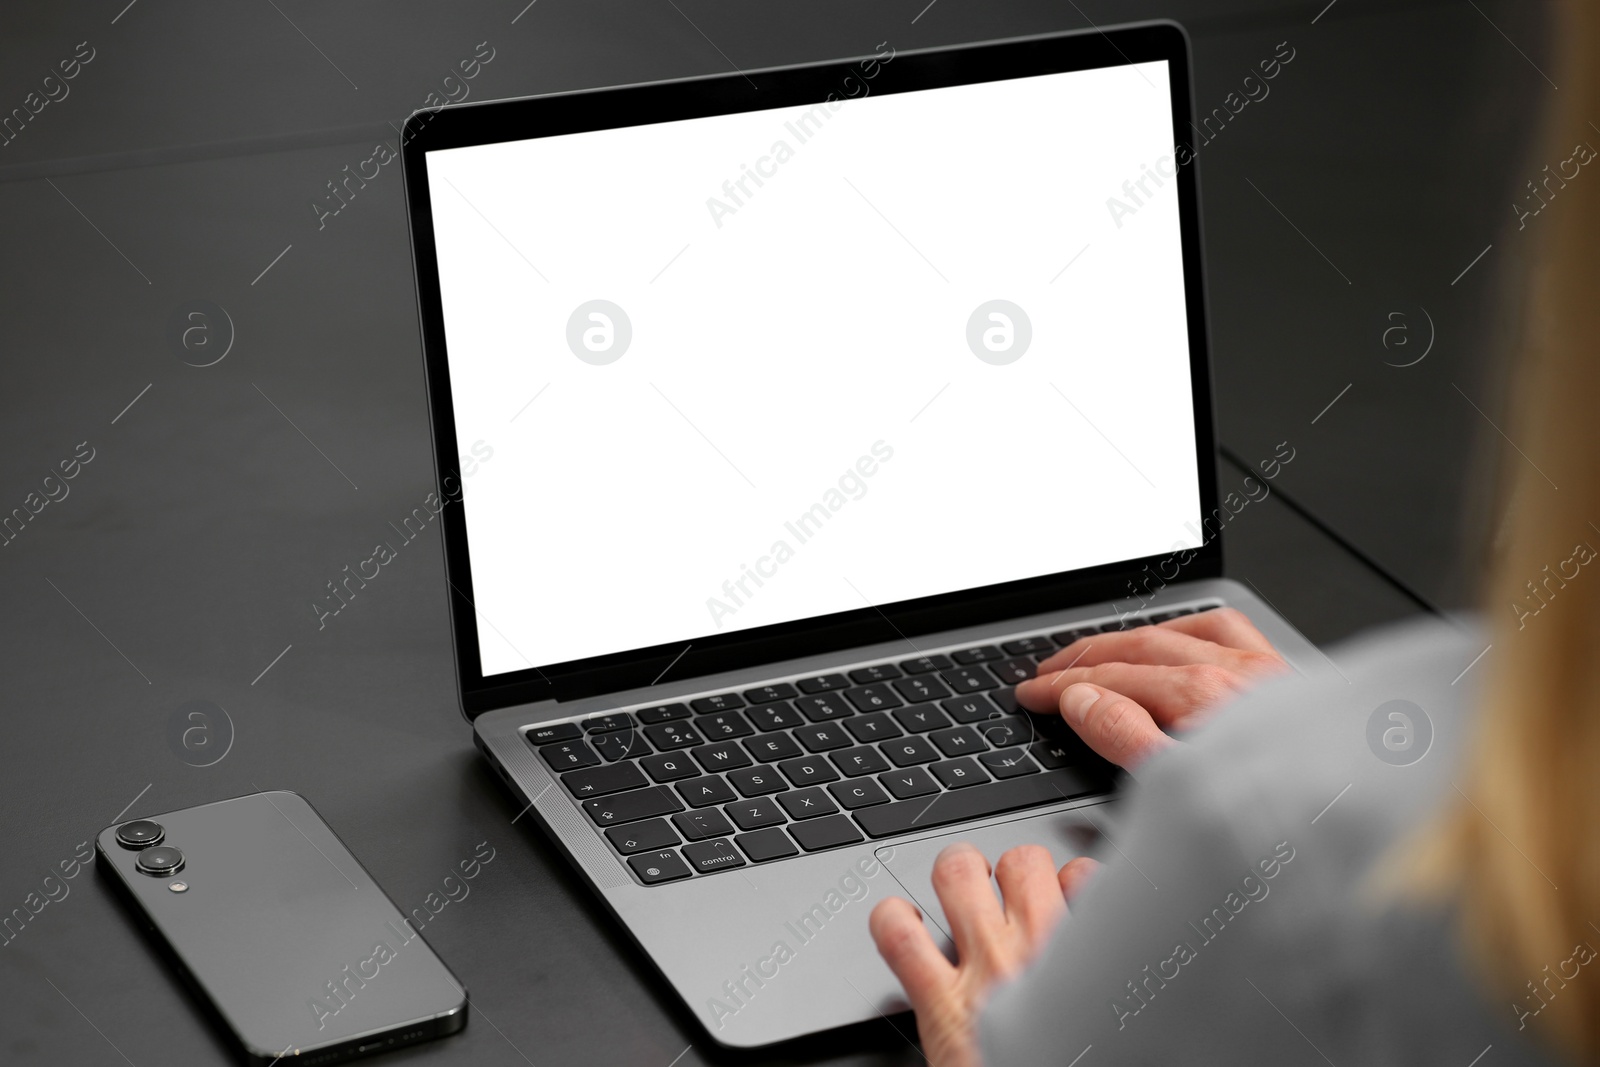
(281, 931)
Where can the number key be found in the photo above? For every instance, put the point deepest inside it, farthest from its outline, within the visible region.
(724, 725)
(968, 680)
(873, 697)
(668, 736)
(917, 689)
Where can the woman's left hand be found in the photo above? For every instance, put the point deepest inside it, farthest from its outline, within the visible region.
(995, 939)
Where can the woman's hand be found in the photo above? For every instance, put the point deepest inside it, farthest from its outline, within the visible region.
(1122, 691)
(994, 939)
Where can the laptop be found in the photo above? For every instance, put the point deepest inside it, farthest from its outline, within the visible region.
(785, 420)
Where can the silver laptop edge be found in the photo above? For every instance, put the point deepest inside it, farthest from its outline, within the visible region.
(775, 950)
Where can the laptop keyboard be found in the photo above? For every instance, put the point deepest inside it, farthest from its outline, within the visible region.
(803, 764)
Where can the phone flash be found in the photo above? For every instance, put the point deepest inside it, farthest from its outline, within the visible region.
(178, 887)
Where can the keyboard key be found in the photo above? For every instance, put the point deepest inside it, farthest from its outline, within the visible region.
(823, 738)
(603, 781)
(1012, 671)
(824, 708)
(873, 697)
(662, 713)
(925, 664)
(779, 716)
(1050, 726)
(918, 689)
(671, 736)
(569, 755)
(1006, 700)
(628, 807)
(1066, 637)
(1135, 620)
(858, 761)
(667, 768)
(921, 718)
(754, 814)
(771, 748)
(1052, 755)
(971, 709)
(879, 672)
(656, 867)
(807, 803)
(702, 823)
(545, 735)
(620, 744)
(766, 694)
(763, 845)
(640, 836)
(911, 782)
(707, 856)
(722, 756)
(859, 793)
(1007, 731)
(958, 741)
(821, 683)
(616, 720)
(757, 781)
(968, 656)
(959, 773)
(968, 679)
(719, 702)
(1028, 646)
(819, 834)
(1113, 626)
(1163, 616)
(908, 751)
(876, 727)
(967, 804)
(808, 770)
(1012, 763)
(700, 792)
(723, 725)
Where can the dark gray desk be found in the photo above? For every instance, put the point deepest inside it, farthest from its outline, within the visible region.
(219, 500)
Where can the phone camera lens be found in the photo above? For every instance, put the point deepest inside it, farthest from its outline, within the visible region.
(140, 833)
(160, 861)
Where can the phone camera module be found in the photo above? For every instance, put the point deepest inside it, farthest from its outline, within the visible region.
(160, 861)
(140, 833)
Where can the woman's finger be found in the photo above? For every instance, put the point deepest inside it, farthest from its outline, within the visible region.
(908, 949)
(1175, 696)
(1159, 646)
(961, 879)
(1032, 896)
(1225, 626)
(905, 945)
(1074, 874)
(1113, 725)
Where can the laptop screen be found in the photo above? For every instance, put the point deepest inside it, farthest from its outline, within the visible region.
(750, 369)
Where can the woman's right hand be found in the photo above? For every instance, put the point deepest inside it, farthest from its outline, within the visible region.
(1124, 692)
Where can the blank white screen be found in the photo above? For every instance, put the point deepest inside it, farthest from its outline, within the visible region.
(775, 344)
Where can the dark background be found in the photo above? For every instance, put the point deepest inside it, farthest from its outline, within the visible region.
(185, 558)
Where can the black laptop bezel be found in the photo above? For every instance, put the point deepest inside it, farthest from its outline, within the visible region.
(588, 110)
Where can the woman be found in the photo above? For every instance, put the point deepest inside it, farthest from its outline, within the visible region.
(1397, 863)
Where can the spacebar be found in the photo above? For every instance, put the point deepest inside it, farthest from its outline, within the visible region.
(974, 802)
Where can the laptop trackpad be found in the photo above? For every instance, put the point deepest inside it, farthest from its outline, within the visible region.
(1066, 834)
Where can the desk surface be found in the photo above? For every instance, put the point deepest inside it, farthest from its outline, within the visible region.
(219, 500)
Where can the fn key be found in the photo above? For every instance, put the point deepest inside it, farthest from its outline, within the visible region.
(663, 866)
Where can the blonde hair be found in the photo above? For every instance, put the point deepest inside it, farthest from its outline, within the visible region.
(1528, 883)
